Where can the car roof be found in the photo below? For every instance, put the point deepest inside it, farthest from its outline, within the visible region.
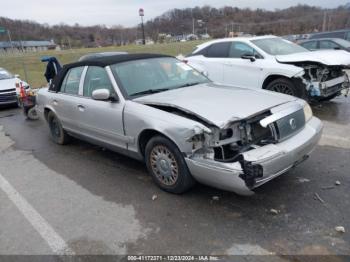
(113, 59)
(320, 39)
(102, 62)
(242, 38)
(100, 54)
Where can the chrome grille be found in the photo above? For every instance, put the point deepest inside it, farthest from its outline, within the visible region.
(289, 125)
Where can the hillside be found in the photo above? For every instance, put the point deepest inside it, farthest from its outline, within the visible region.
(216, 21)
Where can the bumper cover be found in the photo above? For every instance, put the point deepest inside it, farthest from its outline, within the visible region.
(275, 160)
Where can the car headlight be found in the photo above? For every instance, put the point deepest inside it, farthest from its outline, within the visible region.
(307, 112)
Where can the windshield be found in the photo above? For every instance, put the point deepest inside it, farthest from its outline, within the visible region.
(278, 46)
(148, 76)
(5, 74)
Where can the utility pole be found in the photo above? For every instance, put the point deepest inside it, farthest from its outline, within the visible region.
(324, 26)
(192, 25)
(9, 35)
(142, 14)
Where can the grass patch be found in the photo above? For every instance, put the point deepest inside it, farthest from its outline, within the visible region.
(34, 68)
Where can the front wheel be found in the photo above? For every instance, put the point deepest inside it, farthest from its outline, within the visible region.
(285, 86)
(167, 166)
(58, 134)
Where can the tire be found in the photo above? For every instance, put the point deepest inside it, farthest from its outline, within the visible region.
(32, 114)
(286, 86)
(167, 166)
(58, 134)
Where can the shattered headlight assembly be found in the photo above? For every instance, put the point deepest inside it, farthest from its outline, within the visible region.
(307, 112)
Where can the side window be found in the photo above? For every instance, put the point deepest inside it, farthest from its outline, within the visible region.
(312, 45)
(70, 84)
(238, 49)
(219, 50)
(326, 44)
(96, 78)
(347, 36)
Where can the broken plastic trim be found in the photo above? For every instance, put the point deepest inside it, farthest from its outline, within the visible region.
(251, 172)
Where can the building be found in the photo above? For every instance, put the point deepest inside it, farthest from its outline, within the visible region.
(27, 46)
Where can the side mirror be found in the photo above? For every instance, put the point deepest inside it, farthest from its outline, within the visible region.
(251, 57)
(205, 73)
(337, 48)
(101, 94)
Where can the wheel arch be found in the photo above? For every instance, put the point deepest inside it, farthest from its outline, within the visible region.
(146, 135)
(271, 78)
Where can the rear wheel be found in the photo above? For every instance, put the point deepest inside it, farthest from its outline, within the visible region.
(285, 86)
(58, 134)
(167, 166)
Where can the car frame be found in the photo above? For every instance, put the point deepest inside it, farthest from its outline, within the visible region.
(309, 75)
(199, 131)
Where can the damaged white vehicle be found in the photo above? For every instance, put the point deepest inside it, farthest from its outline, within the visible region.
(275, 64)
(184, 127)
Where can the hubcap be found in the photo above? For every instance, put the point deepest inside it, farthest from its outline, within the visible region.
(164, 165)
(282, 88)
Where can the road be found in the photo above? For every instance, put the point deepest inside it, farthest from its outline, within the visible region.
(82, 199)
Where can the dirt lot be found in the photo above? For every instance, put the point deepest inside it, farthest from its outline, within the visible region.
(83, 199)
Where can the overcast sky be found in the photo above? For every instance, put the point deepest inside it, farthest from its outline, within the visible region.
(125, 12)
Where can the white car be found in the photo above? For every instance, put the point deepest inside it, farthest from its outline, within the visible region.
(10, 87)
(275, 64)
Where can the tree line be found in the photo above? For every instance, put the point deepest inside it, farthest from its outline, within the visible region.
(217, 22)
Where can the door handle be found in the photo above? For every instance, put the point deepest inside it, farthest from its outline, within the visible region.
(81, 108)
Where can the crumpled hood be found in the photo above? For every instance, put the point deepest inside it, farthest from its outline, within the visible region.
(326, 57)
(216, 104)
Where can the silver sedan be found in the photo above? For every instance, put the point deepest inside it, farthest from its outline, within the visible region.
(186, 128)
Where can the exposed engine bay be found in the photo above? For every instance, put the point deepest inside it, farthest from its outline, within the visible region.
(324, 81)
(228, 144)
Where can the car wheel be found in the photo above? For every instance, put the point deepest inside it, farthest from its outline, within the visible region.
(167, 166)
(285, 86)
(32, 114)
(58, 134)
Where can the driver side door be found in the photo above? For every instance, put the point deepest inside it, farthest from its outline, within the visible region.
(101, 120)
(243, 72)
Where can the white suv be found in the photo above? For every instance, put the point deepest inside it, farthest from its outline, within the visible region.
(272, 63)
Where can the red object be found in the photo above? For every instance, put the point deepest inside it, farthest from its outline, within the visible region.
(22, 91)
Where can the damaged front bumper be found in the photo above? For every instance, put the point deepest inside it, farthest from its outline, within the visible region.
(259, 165)
(329, 88)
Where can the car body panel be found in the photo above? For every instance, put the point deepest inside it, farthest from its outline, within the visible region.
(325, 57)
(232, 102)
(201, 113)
(9, 91)
(257, 74)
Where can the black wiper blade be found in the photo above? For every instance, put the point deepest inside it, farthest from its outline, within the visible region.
(189, 84)
(149, 91)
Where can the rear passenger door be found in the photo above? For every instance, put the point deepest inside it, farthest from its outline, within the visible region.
(101, 120)
(64, 102)
(212, 59)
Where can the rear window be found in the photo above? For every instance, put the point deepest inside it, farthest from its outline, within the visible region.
(219, 50)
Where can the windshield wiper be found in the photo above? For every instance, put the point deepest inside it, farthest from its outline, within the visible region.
(150, 91)
(189, 84)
